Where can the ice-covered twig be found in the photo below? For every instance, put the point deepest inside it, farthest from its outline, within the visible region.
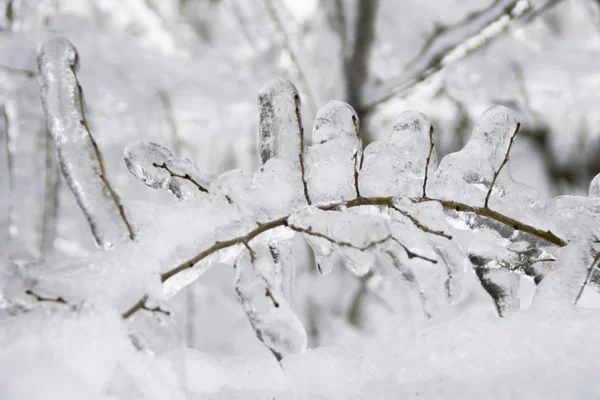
(418, 223)
(510, 144)
(141, 305)
(158, 167)
(79, 156)
(431, 146)
(302, 168)
(530, 262)
(503, 219)
(411, 254)
(358, 156)
(588, 278)
(41, 298)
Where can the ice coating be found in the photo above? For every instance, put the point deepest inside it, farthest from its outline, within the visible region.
(271, 317)
(396, 166)
(594, 190)
(284, 268)
(280, 123)
(356, 237)
(273, 191)
(333, 160)
(159, 168)
(80, 159)
(467, 174)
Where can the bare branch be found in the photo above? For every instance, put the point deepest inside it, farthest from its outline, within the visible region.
(302, 169)
(431, 146)
(512, 140)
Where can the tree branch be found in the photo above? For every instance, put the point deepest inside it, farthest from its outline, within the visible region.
(141, 305)
(301, 128)
(512, 140)
(186, 177)
(431, 146)
(589, 276)
(41, 298)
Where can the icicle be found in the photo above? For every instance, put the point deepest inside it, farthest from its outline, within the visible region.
(396, 166)
(270, 315)
(5, 183)
(323, 251)
(334, 159)
(280, 122)
(159, 168)
(79, 156)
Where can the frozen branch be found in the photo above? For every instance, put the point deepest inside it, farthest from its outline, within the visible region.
(79, 156)
(418, 223)
(588, 278)
(512, 140)
(431, 146)
(503, 219)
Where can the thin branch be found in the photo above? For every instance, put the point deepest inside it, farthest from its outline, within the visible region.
(530, 262)
(418, 223)
(589, 276)
(337, 242)
(503, 219)
(186, 177)
(301, 156)
(431, 146)
(512, 140)
(141, 305)
(411, 254)
(361, 201)
(41, 298)
(269, 293)
(357, 162)
(288, 46)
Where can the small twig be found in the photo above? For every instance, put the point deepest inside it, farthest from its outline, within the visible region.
(418, 223)
(301, 155)
(588, 278)
(431, 146)
(337, 242)
(530, 262)
(141, 305)
(251, 251)
(41, 298)
(186, 177)
(411, 254)
(269, 293)
(357, 162)
(510, 144)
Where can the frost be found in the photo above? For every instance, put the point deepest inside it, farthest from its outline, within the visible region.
(159, 168)
(79, 158)
(396, 166)
(333, 160)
